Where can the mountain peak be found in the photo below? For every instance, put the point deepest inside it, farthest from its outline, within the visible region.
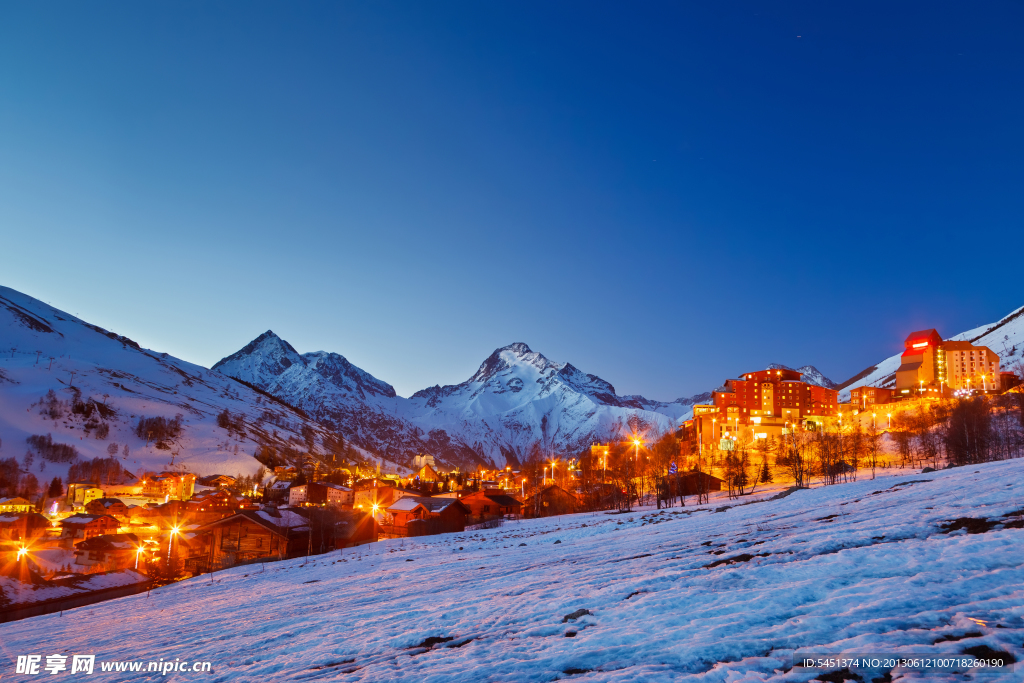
(809, 374)
(266, 355)
(496, 362)
(518, 348)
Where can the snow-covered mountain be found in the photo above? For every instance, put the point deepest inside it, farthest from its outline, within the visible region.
(517, 401)
(87, 388)
(809, 374)
(1005, 338)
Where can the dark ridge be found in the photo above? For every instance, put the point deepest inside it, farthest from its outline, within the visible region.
(28, 319)
(273, 398)
(745, 557)
(971, 524)
(860, 375)
(998, 325)
(432, 641)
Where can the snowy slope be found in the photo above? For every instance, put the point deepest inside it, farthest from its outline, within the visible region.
(46, 349)
(517, 400)
(863, 567)
(1005, 338)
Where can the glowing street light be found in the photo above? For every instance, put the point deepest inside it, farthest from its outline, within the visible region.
(890, 420)
(22, 552)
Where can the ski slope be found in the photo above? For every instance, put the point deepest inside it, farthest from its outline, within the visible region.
(860, 567)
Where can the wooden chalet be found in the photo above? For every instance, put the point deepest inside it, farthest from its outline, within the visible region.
(81, 527)
(22, 527)
(692, 483)
(251, 535)
(421, 516)
(490, 504)
(109, 552)
(107, 506)
(16, 505)
(552, 500)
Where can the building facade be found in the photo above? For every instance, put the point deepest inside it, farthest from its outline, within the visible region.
(931, 366)
(757, 405)
(864, 397)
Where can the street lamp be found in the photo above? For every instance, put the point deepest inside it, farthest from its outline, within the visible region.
(22, 551)
(524, 487)
(170, 542)
(890, 420)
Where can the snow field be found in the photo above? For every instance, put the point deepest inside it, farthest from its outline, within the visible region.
(861, 567)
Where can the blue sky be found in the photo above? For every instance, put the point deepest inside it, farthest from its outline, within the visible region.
(663, 194)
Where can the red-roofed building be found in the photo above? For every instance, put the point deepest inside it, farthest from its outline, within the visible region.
(930, 366)
(758, 404)
(83, 527)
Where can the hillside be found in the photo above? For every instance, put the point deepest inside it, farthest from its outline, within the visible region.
(87, 388)
(729, 592)
(1005, 337)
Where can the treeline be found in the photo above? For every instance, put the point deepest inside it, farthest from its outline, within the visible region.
(51, 451)
(14, 483)
(93, 413)
(159, 429)
(100, 471)
(234, 423)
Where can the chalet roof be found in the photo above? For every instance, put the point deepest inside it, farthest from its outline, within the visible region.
(961, 346)
(14, 501)
(15, 517)
(924, 334)
(410, 503)
(106, 502)
(337, 487)
(80, 519)
(110, 542)
(908, 367)
(502, 499)
(282, 522)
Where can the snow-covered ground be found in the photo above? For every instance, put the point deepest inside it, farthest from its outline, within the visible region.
(863, 567)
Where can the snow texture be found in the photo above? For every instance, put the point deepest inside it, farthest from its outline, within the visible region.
(728, 592)
(43, 349)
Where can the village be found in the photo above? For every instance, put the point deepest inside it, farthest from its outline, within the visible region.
(764, 427)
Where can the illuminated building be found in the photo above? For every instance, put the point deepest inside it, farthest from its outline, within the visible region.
(869, 396)
(758, 405)
(171, 485)
(930, 365)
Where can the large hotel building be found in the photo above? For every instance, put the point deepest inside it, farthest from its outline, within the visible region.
(930, 365)
(759, 404)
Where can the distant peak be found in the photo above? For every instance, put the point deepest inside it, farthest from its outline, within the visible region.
(518, 348)
(269, 334)
(496, 363)
(266, 339)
